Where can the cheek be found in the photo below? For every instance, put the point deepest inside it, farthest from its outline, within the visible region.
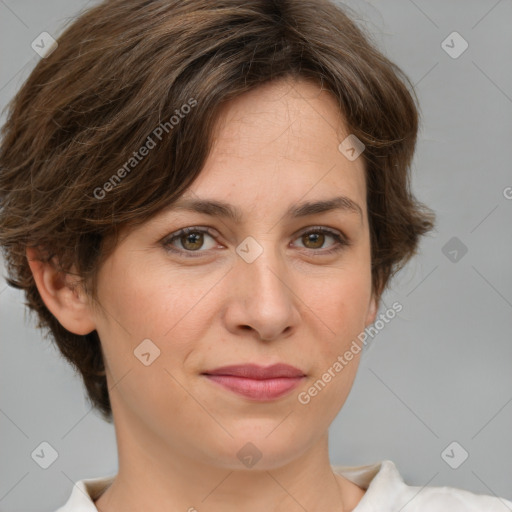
(340, 301)
(342, 310)
(150, 301)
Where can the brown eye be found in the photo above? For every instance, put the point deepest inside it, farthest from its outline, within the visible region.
(315, 239)
(192, 241)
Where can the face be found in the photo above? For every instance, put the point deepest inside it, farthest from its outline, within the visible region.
(271, 286)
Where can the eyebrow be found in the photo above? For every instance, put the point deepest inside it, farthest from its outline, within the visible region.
(221, 209)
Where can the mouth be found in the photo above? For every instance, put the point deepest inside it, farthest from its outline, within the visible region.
(257, 382)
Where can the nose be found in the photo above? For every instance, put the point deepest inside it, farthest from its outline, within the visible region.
(262, 296)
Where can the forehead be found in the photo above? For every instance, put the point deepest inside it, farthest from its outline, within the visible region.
(278, 145)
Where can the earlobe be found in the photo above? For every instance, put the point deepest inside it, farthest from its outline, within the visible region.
(62, 295)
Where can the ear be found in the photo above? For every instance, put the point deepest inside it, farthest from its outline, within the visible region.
(373, 307)
(62, 295)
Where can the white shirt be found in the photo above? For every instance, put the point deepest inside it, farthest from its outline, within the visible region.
(385, 492)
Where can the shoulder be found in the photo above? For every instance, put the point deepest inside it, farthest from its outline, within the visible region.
(435, 499)
(386, 491)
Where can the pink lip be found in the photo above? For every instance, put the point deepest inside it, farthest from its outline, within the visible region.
(257, 382)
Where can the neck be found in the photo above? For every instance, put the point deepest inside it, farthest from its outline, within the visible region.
(153, 477)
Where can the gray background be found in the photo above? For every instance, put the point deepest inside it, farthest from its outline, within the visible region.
(439, 372)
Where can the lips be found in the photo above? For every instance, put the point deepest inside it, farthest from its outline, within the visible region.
(253, 371)
(257, 382)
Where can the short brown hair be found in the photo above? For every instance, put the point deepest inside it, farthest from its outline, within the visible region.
(124, 68)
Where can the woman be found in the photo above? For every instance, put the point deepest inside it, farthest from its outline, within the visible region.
(204, 202)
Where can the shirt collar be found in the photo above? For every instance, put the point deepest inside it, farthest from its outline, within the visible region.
(382, 482)
(85, 492)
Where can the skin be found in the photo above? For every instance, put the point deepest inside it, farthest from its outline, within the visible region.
(177, 432)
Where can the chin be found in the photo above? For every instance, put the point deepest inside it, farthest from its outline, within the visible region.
(260, 447)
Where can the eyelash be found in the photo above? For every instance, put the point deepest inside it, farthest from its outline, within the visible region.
(342, 241)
